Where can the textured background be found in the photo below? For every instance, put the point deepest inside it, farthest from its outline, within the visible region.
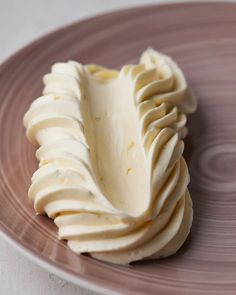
(20, 23)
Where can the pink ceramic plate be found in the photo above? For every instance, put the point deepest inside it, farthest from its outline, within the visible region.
(202, 39)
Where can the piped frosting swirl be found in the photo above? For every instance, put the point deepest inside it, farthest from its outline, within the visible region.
(111, 172)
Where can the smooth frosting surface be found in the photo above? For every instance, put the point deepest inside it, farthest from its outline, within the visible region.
(111, 172)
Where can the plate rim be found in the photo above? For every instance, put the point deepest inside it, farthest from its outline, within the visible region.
(50, 266)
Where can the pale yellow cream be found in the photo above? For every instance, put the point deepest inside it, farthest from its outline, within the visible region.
(111, 170)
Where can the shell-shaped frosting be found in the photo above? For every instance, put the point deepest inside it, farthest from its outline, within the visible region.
(111, 172)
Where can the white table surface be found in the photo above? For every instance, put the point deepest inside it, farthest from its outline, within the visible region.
(21, 21)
